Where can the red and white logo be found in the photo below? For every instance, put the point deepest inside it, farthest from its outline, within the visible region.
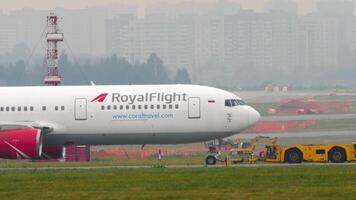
(100, 98)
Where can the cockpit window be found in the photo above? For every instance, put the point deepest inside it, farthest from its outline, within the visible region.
(241, 103)
(228, 103)
(234, 102)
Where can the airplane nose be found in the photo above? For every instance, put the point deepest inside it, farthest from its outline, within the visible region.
(253, 116)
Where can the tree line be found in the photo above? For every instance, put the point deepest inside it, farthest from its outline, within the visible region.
(112, 70)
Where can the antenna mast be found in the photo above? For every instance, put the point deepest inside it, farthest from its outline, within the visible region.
(53, 37)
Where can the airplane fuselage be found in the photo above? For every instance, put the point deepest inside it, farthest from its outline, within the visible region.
(138, 114)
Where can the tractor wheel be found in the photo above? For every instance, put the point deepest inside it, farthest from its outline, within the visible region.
(293, 156)
(337, 155)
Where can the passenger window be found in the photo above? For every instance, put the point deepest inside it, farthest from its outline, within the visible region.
(13, 109)
(19, 108)
(121, 107)
(56, 108)
(7, 109)
(176, 106)
(31, 108)
(170, 106)
(127, 107)
(102, 107)
(158, 106)
(164, 106)
(25, 108)
(139, 107)
(2, 109)
(115, 107)
(108, 107)
(146, 107)
(152, 107)
(43, 108)
(62, 107)
(228, 103)
(133, 107)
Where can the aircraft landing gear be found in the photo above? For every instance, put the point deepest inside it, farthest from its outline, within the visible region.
(213, 156)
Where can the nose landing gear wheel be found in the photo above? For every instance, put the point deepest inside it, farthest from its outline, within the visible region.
(210, 160)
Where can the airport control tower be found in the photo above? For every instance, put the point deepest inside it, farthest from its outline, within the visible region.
(53, 37)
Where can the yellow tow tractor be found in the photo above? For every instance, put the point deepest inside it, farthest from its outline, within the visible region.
(335, 153)
(245, 151)
(241, 155)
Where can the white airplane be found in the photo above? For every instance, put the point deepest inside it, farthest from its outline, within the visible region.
(38, 121)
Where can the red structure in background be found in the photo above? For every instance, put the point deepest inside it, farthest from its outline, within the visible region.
(279, 126)
(310, 106)
(76, 153)
(132, 152)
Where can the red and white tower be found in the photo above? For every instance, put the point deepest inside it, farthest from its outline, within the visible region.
(53, 37)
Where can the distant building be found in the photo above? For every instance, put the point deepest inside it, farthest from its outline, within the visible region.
(276, 40)
(209, 40)
(261, 40)
(277, 88)
(135, 39)
(319, 42)
(119, 37)
(8, 34)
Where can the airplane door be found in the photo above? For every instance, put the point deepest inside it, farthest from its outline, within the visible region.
(194, 108)
(80, 109)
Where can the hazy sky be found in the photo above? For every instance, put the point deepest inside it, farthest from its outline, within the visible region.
(8, 5)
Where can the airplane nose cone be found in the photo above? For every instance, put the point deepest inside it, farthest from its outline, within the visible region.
(254, 116)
